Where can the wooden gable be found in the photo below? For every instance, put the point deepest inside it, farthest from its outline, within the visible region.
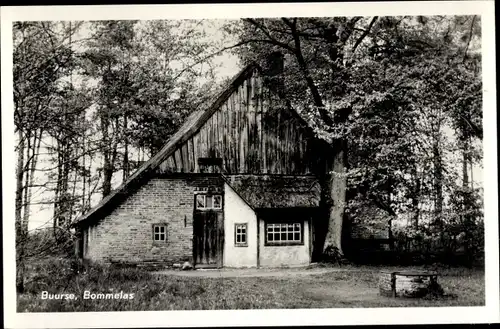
(252, 131)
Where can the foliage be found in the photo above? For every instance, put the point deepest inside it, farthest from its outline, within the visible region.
(404, 92)
(93, 99)
(401, 96)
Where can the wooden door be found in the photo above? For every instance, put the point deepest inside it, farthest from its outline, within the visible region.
(208, 238)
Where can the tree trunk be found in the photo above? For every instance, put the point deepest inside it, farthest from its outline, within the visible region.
(107, 167)
(416, 199)
(336, 197)
(438, 187)
(18, 214)
(126, 167)
(19, 184)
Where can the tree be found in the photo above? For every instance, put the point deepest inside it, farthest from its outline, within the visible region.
(145, 89)
(361, 80)
(41, 59)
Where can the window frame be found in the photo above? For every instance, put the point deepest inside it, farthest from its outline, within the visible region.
(240, 244)
(159, 225)
(205, 198)
(284, 242)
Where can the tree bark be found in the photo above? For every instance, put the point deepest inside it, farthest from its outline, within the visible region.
(20, 241)
(416, 199)
(126, 166)
(336, 197)
(19, 184)
(438, 185)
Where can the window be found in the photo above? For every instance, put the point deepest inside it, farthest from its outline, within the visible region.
(283, 233)
(207, 201)
(210, 165)
(159, 232)
(240, 235)
(217, 201)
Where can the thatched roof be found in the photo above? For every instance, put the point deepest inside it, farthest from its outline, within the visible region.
(271, 191)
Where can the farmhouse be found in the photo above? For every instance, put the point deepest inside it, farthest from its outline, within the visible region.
(238, 185)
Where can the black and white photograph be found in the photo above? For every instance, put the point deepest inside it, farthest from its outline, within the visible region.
(313, 161)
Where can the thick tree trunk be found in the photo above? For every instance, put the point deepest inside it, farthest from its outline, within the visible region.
(336, 197)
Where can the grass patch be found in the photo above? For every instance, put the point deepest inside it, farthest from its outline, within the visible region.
(354, 287)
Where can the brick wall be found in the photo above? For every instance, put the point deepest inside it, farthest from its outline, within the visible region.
(126, 233)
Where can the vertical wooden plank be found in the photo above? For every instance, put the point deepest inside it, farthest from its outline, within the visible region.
(196, 147)
(215, 135)
(251, 126)
(209, 129)
(178, 160)
(229, 135)
(264, 123)
(184, 156)
(174, 169)
(234, 142)
(220, 236)
(223, 136)
(226, 139)
(187, 157)
(258, 126)
(193, 155)
(237, 128)
(242, 126)
(203, 142)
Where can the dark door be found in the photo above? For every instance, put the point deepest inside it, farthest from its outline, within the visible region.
(208, 238)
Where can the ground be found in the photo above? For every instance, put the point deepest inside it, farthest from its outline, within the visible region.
(313, 287)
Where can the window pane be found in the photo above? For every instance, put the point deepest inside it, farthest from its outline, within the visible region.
(238, 229)
(270, 237)
(162, 229)
(217, 201)
(209, 202)
(157, 237)
(238, 238)
(200, 201)
(243, 229)
(276, 237)
(283, 236)
(243, 238)
(290, 236)
(157, 229)
(297, 236)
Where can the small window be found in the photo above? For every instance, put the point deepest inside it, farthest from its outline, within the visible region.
(283, 233)
(200, 201)
(217, 201)
(206, 201)
(159, 232)
(240, 238)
